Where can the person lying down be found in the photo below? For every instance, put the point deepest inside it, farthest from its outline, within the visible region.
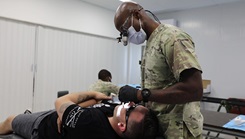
(73, 119)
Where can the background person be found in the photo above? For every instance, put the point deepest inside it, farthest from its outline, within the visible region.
(103, 84)
(171, 74)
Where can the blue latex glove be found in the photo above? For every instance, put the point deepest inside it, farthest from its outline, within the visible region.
(128, 93)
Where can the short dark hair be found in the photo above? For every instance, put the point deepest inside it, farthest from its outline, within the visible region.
(104, 74)
(148, 128)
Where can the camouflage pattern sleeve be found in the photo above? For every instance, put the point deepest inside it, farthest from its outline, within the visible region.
(180, 50)
(104, 87)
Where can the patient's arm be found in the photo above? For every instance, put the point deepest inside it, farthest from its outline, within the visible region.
(84, 99)
(83, 104)
(6, 126)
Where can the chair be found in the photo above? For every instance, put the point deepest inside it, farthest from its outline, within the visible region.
(235, 105)
(62, 93)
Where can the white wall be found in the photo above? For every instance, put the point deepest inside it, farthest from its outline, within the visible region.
(218, 31)
(74, 15)
(68, 14)
(16, 61)
(219, 35)
(69, 41)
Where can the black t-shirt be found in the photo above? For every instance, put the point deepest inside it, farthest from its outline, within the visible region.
(80, 123)
(87, 123)
(48, 128)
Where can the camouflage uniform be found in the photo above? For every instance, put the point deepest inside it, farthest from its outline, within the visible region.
(168, 52)
(104, 87)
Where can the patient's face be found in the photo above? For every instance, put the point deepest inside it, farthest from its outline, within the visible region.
(130, 112)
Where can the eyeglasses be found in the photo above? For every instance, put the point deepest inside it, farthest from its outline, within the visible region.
(128, 111)
(125, 23)
(124, 30)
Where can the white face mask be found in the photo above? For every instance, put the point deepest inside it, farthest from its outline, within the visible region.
(134, 36)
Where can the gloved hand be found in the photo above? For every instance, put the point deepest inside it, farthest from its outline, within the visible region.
(128, 93)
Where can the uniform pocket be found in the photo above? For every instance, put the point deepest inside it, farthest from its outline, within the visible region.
(194, 123)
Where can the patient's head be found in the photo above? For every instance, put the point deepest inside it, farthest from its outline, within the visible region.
(137, 122)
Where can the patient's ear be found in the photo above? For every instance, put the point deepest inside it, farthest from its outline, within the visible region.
(121, 126)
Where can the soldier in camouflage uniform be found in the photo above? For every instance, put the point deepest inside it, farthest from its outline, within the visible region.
(171, 74)
(103, 84)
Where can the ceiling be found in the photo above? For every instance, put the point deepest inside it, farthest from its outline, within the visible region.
(159, 6)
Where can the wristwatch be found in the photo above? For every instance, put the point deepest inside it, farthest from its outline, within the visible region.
(145, 93)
